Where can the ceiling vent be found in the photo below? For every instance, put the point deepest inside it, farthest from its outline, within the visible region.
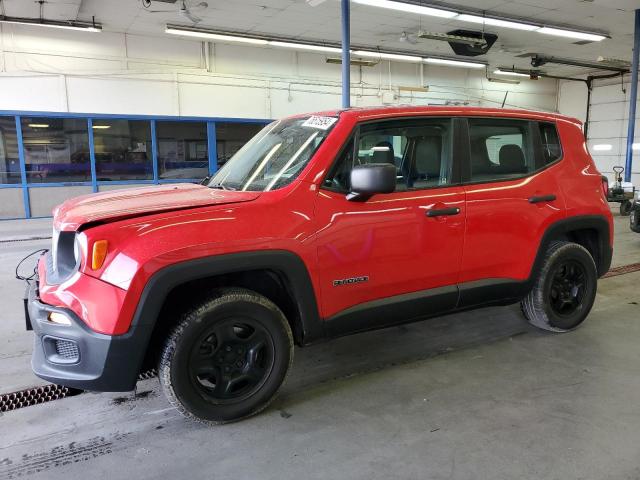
(486, 41)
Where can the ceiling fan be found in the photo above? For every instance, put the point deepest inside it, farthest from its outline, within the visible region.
(185, 9)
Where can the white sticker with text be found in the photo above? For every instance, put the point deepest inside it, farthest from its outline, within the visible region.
(323, 123)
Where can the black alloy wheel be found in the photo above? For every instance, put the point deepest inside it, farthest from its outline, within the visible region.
(567, 288)
(227, 356)
(564, 289)
(231, 360)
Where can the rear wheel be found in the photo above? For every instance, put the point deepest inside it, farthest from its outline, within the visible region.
(625, 208)
(564, 292)
(227, 357)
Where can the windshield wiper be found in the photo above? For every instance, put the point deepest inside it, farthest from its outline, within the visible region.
(220, 186)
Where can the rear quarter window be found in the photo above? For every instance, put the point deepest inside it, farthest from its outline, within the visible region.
(551, 147)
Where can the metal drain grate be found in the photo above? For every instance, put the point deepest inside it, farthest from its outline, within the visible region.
(34, 396)
(152, 373)
(614, 272)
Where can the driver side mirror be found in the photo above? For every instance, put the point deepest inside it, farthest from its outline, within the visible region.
(367, 180)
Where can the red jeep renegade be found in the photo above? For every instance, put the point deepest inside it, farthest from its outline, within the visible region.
(321, 226)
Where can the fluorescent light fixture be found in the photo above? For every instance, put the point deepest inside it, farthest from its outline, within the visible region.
(571, 34)
(70, 25)
(39, 125)
(100, 127)
(305, 46)
(635, 146)
(511, 74)
(602, 147)
(408, 7)
(496, 22)
(466, 17)
(387, 56)
(213, 36)
(454, 63)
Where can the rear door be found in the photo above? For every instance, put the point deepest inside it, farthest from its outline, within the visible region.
(371, 253)
(512, 195)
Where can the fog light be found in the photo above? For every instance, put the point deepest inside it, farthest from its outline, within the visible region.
(59, 318)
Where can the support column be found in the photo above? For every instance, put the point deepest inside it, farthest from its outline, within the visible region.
(346, 57)
(633, 98)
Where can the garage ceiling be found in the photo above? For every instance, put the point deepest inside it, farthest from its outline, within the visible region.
(371, 26)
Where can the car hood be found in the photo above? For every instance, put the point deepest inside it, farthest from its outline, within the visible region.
(134, 202)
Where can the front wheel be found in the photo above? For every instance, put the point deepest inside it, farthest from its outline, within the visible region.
(227, 357)
(565, 289)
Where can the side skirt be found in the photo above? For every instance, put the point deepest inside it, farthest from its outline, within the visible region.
(424, 304)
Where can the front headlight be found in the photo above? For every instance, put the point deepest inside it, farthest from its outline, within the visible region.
(636, 196)
(65, 255)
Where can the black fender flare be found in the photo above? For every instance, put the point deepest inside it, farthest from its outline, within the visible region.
(564, 227)
(287, 264)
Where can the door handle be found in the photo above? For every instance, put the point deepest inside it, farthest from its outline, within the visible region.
(542, 198)
(439, 212)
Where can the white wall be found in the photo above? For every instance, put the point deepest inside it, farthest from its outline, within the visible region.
(58, 70)
(608, 120)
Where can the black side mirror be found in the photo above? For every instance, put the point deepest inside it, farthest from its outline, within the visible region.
(367, 180)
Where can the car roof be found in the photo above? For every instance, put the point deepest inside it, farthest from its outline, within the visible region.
(374, 113)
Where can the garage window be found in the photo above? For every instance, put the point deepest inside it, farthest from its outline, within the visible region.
(500, 149)
(122, 149)
(182, 150)
(231, 137)
(9, 158)
(56, 149)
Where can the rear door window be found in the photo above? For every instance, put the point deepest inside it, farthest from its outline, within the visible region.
(500, 149)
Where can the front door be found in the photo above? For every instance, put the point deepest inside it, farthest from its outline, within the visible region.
(397, 255)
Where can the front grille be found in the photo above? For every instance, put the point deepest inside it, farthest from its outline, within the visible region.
(67, 349)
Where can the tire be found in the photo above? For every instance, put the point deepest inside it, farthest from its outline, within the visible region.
(227, 357)
(625, 208)
(564, 290)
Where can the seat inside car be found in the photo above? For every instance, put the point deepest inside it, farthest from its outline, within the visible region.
(383, 153)
(512, 159)
(427, 162)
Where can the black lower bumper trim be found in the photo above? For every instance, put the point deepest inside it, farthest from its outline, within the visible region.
(106, 363)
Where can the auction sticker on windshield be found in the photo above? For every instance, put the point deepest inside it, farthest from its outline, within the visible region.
(323, 123)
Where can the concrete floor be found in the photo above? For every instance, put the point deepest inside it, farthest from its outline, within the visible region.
(470, 396)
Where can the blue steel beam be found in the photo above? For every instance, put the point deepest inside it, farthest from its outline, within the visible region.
(633, 98)
(346, 58)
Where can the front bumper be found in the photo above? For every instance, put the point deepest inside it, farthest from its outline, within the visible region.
(75, 356)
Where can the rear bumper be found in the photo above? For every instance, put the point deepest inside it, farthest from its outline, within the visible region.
(75, 356)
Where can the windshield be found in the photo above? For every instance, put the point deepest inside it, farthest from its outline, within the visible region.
(275, 156)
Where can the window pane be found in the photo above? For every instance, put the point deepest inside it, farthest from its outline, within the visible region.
(551, 149)
(500, 149)
(230, 137)
(182, 149)
(56, 149)
(419, 149)
(123, 149)
(9, 158)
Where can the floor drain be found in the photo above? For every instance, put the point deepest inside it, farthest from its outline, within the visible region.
(613, 272)
(151, 373)
(28, 239)
(34, 396)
